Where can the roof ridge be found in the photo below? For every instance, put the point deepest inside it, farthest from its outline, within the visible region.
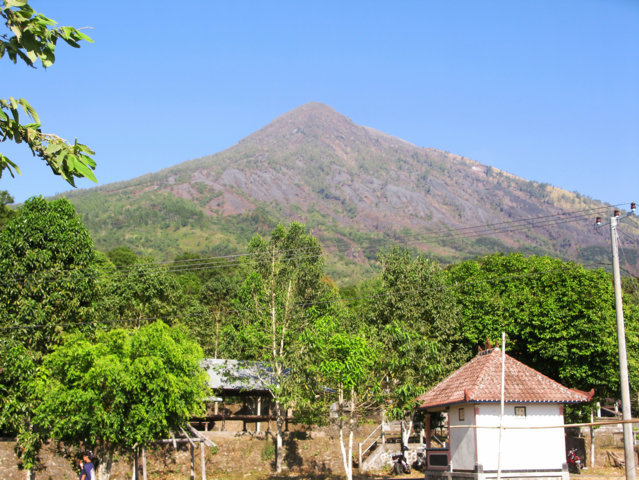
(479, 380)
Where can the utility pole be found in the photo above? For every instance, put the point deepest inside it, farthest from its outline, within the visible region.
(621, 341)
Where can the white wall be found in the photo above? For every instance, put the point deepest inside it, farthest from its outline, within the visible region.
(462, 440)
(521, 448)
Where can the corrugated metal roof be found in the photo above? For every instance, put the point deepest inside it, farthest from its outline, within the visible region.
(480, 381)
(238, 375)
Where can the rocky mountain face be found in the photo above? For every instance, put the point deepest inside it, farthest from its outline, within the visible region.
(357, 189)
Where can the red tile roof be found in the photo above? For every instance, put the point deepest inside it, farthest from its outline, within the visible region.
(480, 381)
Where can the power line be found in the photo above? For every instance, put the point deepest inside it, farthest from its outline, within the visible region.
(228, 261)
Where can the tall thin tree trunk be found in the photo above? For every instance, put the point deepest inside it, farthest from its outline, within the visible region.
(347, 456)
(406, 430)
(343, 447)
(279, 450)
(103, 471)
(351, 428)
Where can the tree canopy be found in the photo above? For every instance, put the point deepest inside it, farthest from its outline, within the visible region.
(125, 387)
(5, 212)
(342, 361)
(47, 276)
(283, 281)
(418, 324)
(559, 316)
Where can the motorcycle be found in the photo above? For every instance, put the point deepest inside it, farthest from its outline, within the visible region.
(420, 461)
(574, 462)
(400, 465)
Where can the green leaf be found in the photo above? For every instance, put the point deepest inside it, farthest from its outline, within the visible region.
(85, 171)
(82, 36)
(15, 3)
(53, 148)
(5, 162)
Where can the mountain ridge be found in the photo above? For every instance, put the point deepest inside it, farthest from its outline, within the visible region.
(350, 184)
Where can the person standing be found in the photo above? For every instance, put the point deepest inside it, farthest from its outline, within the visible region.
(88, 470)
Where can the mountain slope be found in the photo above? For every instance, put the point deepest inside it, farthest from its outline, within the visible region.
(356, 188)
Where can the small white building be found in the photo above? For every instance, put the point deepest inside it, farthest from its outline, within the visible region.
(471, 399)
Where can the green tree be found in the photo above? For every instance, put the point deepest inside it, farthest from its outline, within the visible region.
(342, 360)
(122, 257)
(417, 320)
(47, 287)
(126, 387)
(17, 369)
(5, 212)
(214, 307)
(559, 316)
(284, 279)
(29, 37)
(210, 284)
(140, 293)
(47, 275)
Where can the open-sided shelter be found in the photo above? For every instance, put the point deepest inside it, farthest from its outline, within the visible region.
(235, 379)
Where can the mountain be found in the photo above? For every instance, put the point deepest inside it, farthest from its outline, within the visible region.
(357, 189)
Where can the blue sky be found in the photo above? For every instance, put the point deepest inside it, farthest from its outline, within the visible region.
(546, 90)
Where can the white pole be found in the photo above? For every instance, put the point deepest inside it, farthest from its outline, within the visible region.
(623, 359)
(501, 412)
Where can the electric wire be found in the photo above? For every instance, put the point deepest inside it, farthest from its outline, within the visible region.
(228, 261)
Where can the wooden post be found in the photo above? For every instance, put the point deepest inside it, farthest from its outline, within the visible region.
(244, 421)
(203, 459)
(592, 437)
(223, 420)
(259, 412)
(192, 477)
(383, 432)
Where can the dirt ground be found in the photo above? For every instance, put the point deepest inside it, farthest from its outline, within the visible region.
(241, 456)
(238, 456)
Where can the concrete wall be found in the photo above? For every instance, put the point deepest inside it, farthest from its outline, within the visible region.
(521, 448)
(463, 446)
(381, 459)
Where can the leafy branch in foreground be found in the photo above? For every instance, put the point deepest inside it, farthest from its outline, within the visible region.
(31, 37)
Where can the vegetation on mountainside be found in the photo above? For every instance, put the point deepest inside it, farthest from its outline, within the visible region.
(356, 189)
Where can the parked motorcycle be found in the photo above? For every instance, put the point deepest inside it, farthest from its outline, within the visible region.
(574, 462)
(420, 462)
(400, 464)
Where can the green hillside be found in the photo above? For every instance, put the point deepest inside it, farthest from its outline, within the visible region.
(357, 189)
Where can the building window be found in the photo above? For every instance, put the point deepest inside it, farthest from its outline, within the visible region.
(520, 411)
(461, 415)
